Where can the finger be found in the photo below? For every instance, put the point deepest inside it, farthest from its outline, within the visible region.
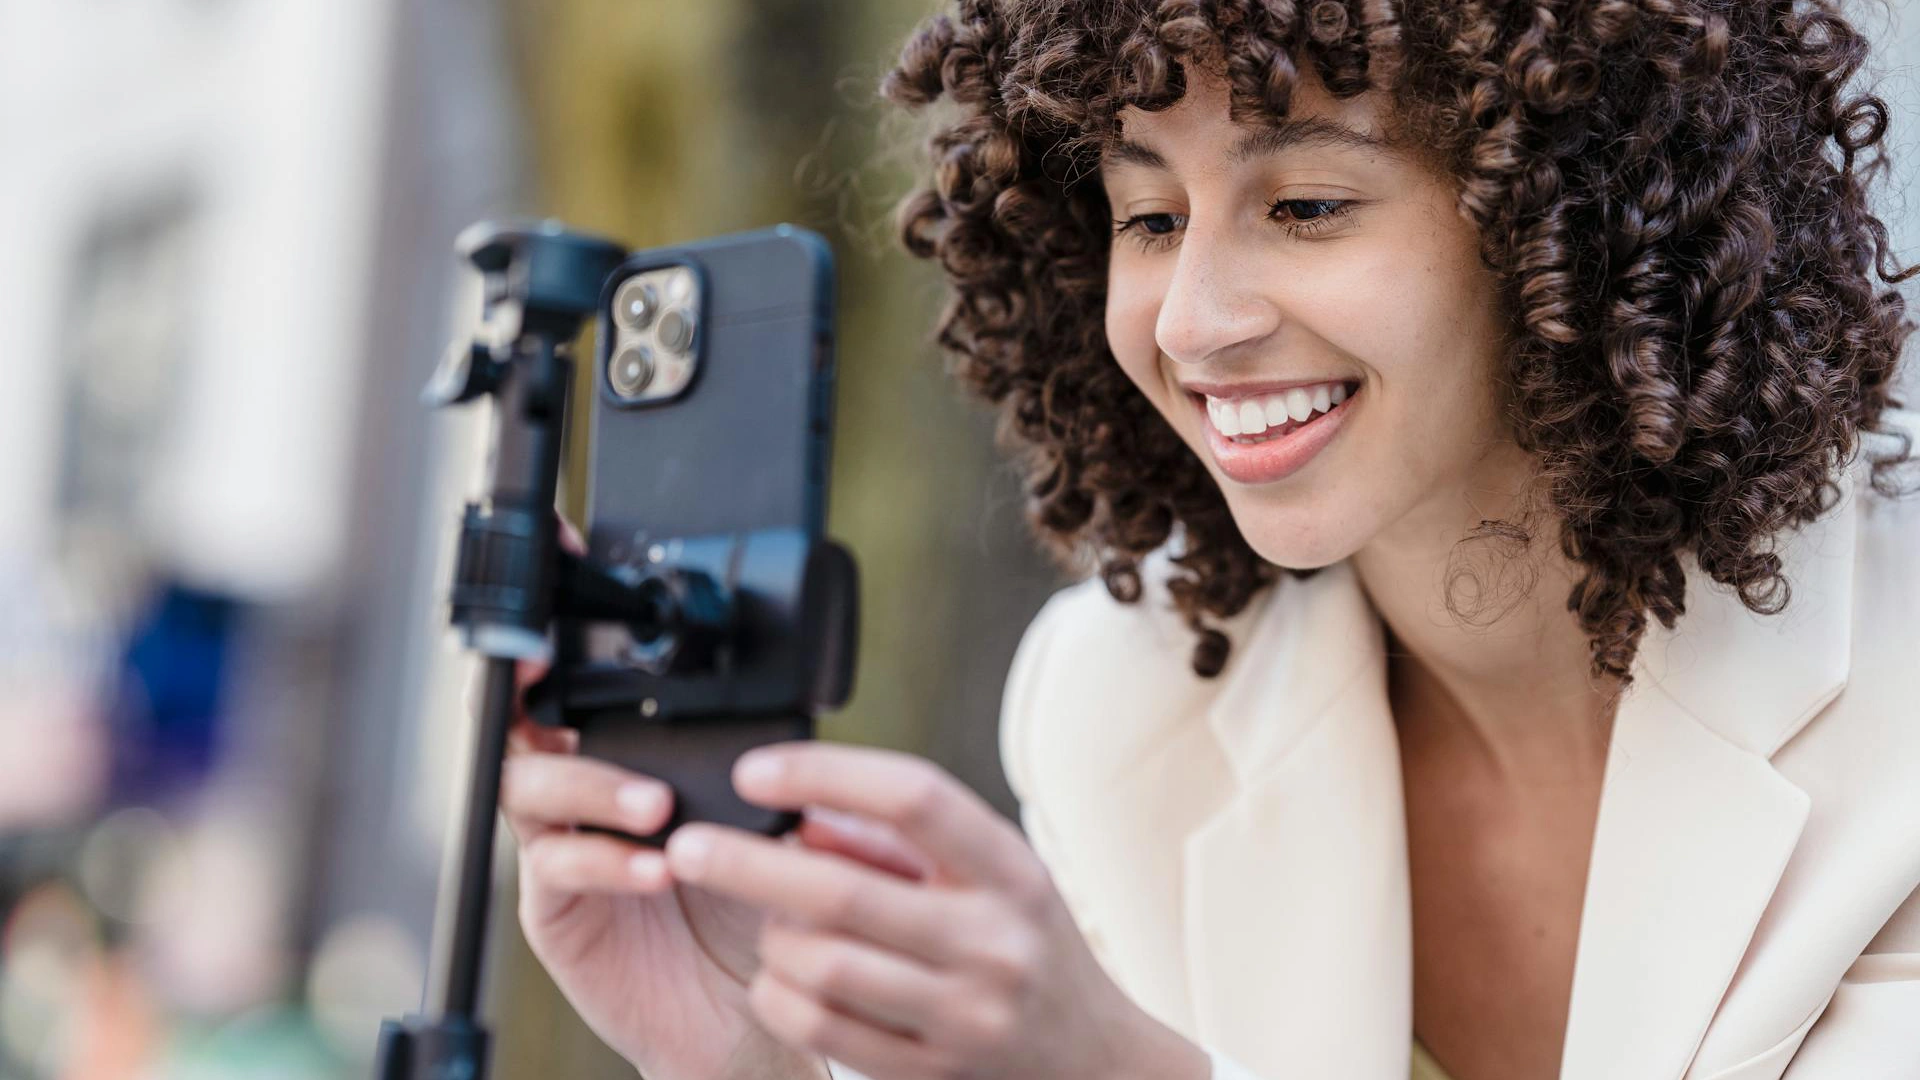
(883, 988)
(570, 537)
(588, 863)
(527, 737)
(563, 789)
(528, 672)
(931, 809)
(803, 1022)
(862, 840)
(821, 890)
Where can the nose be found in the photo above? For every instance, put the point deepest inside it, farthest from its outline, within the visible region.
(1214, 300)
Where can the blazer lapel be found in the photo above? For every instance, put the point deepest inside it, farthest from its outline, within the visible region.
(1297, 919)
(1692, 836)
(1295, 891)
(1695, 824)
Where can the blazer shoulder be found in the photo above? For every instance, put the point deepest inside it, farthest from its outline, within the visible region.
(1857, 759)
(1094, 676)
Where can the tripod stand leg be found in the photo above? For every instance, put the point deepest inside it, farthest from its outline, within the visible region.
(453, 987)
(445, 1041)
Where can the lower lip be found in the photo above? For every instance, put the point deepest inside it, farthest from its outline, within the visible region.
(1274, 459)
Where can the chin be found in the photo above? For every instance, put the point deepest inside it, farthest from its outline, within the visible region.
(1293, 539)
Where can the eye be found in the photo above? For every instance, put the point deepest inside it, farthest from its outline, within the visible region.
(1300, 218)
(1306, 217)
(1150, 231)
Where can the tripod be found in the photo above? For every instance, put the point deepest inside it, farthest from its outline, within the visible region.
(782, 595)
(540, 283)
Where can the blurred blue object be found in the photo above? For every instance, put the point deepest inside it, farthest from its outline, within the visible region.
(166, 714)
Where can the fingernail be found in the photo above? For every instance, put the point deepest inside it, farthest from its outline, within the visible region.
(641, 801)
(760, 769)
(687, 851)
(840, 821)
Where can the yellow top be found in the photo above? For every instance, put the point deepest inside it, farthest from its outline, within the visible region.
(1424, 1067)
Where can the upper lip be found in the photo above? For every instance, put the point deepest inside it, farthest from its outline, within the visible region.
(1229, 391)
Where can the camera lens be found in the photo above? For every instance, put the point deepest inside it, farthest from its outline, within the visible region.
(635, 302)
(630, 370)
(675, 330)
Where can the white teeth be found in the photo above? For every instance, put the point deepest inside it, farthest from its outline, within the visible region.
(1299, 404)
(1226, 417)
(1250, 417)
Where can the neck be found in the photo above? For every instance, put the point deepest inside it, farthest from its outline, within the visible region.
(1483, 655)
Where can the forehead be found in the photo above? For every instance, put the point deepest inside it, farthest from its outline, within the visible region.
(1202, 121)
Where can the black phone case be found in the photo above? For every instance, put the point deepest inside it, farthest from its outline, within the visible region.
(744, 449)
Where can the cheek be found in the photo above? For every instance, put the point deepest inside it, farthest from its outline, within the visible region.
(1133, 308)
(1430, 332)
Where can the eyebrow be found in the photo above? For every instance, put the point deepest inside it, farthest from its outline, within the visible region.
(1261, 142)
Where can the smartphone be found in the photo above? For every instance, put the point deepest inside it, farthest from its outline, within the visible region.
(710, 441)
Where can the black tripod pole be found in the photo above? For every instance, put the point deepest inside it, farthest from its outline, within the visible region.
(453, 987)
(540, 283)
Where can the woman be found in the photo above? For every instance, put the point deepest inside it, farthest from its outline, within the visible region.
(1540, 346)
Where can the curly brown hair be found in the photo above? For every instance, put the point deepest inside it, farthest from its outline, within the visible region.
(1672, 195)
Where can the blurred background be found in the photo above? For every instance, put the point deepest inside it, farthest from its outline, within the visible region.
(231, 718)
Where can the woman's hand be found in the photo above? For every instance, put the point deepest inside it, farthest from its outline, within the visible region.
(658, 969)
(974, 968)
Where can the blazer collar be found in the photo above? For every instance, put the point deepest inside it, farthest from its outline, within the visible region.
(1696, 825)
(1298, 927)
(1756, 680)
(1298, 932)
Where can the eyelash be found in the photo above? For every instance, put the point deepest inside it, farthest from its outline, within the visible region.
(1312, 227)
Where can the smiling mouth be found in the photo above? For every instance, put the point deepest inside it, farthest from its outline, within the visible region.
(1273, 407)
(1279, 451)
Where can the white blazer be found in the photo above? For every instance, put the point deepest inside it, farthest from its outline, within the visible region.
(1235, 849)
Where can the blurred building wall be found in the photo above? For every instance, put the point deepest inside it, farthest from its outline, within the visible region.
(1895, 72)
(235, 133)
(229, 271)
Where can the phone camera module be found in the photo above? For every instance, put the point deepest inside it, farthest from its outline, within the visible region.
(675, 331)
(635, 303)
(631, 370)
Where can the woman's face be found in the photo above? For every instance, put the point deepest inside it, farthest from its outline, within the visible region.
(1311, 260)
